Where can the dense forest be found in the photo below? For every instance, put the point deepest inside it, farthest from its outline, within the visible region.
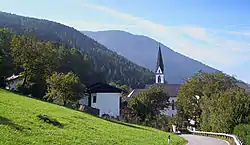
(101, 63)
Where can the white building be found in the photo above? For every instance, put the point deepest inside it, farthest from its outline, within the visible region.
(11, 82)
(171, 89)
(104, 97)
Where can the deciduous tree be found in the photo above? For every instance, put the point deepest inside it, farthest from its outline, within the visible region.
(36, 58)
(64, 88)
(149, 103)
(6, 67)
(213, 100)
(224, 110)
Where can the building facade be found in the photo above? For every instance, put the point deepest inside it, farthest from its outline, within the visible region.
(13, 81)
(170, 89)
(103, 97)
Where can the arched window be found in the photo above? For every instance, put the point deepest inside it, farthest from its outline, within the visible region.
(159, 79)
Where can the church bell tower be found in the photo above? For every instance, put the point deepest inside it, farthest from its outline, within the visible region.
(159, 72)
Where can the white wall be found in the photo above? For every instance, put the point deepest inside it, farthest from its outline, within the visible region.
(94, 105)
(162, 78)
(168, 111)
(83, 100)
(12, 85)
(107, 103)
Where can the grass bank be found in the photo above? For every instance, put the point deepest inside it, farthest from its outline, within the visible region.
(28, 121)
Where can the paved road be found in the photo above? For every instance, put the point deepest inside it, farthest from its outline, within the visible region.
(202, 140)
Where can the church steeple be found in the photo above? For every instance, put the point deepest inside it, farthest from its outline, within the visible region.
(159, 60)
(159, 72)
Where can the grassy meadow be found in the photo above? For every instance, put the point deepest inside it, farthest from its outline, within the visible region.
(23, 121)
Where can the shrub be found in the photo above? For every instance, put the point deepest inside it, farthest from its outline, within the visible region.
(243, 132)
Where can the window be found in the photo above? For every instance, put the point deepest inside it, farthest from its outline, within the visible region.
(172, 104)
(159, 79)
(94, 99)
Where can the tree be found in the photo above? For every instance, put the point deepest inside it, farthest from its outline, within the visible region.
(125, 91)
(74, 60)
(37, 59)
(243, 132)
(64, 88)
(148, 104)
(113, 84)
(23, 51)
(224, 110)
(200, 97)
(6, 67)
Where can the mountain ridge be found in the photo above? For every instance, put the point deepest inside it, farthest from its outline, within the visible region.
(143, 51)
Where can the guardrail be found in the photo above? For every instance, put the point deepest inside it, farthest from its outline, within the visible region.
(233, 138)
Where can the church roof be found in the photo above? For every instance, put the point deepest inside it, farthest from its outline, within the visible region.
(172, 89)
(159, 61)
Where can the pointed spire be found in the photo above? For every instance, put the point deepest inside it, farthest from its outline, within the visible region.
(159, 60)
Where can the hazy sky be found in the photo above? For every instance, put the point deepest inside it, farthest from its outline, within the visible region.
(215, 32)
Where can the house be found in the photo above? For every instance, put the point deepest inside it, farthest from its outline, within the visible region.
(170, 89)
(104, 97)
(13, 81)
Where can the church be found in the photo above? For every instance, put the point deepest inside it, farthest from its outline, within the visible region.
(171, 89)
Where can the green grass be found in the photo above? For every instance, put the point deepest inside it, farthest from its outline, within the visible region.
(22, 122)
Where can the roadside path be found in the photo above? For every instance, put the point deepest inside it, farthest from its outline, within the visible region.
(202, 140)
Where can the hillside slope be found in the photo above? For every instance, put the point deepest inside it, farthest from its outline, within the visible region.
(109, 64)
(20, 124)
(143, 51)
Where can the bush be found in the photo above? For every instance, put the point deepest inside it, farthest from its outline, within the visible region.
(243, 132)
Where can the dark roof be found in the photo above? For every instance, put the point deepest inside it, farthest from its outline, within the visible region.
(171, 89)
(103, 88)
(159, 61)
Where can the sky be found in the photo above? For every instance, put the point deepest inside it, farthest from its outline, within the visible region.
(215, 32)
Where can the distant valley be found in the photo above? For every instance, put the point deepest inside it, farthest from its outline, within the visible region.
(143, 51)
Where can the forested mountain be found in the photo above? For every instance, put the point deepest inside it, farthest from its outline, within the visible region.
(104, 64)
(143, 51)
